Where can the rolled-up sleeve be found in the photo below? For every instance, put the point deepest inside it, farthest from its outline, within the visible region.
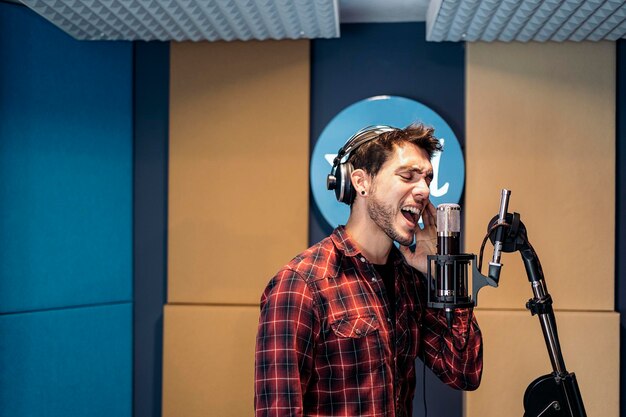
(455, 355)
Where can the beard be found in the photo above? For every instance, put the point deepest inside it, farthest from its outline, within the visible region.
(384, 215)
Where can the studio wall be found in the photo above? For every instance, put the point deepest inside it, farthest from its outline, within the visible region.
(541, 122)
(238, 202)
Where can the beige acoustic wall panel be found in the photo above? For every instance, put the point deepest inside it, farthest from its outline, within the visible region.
(208, 361)
(515, 354)
(541, 122)
(238, 190)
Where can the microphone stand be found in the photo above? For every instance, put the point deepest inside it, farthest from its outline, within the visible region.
(551, 395)
(555, 394)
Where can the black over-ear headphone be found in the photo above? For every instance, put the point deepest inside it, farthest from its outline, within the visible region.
(339, 177)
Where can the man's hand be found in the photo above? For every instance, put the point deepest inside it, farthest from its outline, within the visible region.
(425, 240)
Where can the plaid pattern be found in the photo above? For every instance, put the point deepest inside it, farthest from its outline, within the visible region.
(326, 347)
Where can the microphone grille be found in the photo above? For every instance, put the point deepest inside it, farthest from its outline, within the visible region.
(448, 219)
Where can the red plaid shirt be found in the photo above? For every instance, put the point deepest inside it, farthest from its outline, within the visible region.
(326, 346)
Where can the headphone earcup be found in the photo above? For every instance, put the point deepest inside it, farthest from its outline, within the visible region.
(344, 191)
(339, 177)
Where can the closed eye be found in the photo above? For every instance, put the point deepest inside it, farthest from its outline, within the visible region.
(415, 174)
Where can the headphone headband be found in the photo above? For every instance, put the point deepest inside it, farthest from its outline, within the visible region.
(360, 138)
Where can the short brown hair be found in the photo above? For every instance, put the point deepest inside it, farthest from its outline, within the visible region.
(371, 156)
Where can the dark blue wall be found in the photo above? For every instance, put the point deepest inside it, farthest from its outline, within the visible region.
(393, 59)
(620, 206)
(151, 116)
(65, 221)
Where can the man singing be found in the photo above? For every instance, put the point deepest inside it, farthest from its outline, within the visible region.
(342, 324)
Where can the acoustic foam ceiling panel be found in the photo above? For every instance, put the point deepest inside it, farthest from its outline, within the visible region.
(525, 20)
(194, 20)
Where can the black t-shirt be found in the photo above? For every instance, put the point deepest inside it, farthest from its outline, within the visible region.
(387, 274)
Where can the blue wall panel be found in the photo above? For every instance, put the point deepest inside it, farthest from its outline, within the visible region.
(65, 166)
(66, 363)
(394, 59)
(66, 150)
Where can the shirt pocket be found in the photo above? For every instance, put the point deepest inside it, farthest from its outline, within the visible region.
(354, 350)
(355, 327)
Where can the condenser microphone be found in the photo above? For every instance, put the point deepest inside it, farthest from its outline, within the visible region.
(495, 266)
(448, 244)
(447, 270)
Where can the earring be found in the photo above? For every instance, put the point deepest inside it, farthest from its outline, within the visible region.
(362, 192)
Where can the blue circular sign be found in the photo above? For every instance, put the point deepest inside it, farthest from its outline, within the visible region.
(448, 166)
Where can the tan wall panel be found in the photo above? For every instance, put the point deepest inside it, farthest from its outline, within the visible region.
(515, 354)
(238, 195)
(208, 361)
(541, 122)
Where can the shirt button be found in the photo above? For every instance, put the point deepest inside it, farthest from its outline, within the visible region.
(388, 319)
(374, 279)
(362, 259)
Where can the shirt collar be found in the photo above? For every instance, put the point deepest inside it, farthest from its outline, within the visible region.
(348, 246)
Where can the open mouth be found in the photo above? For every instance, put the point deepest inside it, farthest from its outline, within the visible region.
(411, 214)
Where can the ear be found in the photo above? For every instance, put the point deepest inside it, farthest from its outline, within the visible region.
(361, 181)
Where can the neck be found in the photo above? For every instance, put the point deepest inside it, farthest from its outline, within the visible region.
(373, 242)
